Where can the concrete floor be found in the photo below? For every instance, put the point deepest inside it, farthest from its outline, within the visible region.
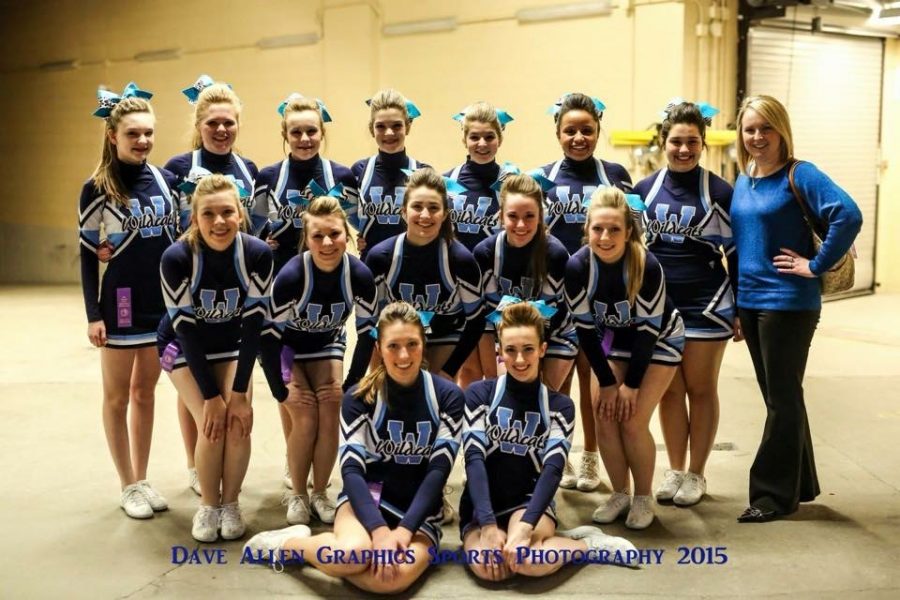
(67, 537)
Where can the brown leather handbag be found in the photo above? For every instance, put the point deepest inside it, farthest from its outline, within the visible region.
(838, 278)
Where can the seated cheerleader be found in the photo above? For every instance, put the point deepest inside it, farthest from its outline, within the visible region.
(517, 435)
(312, 297)
(399, 437)
(215, 283)
(614, 287)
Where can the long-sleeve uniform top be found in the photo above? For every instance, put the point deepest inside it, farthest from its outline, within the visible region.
(475, 213)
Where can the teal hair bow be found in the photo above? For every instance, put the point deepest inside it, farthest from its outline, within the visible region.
(411, 109)
(425, 317)
(509, 168)
(502, 116)
(197, 173)
(707, 110)
(107, 100)
(193, 92)
(335, 192)
(541, 306)
(326, 116)
(557, 106)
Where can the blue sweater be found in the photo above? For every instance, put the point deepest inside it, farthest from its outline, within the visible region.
(765, 217)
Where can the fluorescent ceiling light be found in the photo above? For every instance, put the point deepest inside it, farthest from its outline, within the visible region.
(412, 27)
(59, 65)
(287, 41)
(564, 11)
(153, 55)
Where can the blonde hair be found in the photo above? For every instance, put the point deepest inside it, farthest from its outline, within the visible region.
(482, 112)
(521, 314)
(106, 175)
(776, 114)
(207, 186)
(385, 99)
(428, 178)
(217, 93)
(323, 206)
(635, 252)
(526, 186)
(374, 381)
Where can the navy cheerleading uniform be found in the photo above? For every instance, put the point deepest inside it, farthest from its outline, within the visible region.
(648, 331)
(283, 192)
(397, 453)
(689, 231)
(309, 310)
(242, 169)
(506, 271)
(516, 438)
(438, 277)
(575, 182)
(382, 185)
(129, 301)
(216, 304)
(475, 213)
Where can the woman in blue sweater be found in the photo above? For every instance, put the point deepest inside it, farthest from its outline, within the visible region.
(778, 294)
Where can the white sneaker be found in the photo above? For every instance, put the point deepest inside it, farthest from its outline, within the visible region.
(569, 479)
(154, 498)
(589, 472)
(135, 503)
(448, 513)
(641, 514)
(194, 480)
(322, 507)
(615, 549)
(268, 545)
(232, 521)
(298, 509)
(615, 506)
(286, 478)
(206, 524)
(669, 487)
(691, 490)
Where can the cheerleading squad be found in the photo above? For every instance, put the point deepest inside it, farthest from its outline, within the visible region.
(477, 296)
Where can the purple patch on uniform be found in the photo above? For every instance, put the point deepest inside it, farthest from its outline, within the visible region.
(287, 363)
(375, 490)
(167, 360)
(123, 307)
(606, 342)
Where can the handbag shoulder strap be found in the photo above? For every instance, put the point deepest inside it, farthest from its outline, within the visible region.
(811, 221)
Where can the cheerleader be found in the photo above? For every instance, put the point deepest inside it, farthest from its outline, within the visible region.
(400, 431)
(689, 232)
(429, 269)
(131, 202)
(217, 121)
(381, 178)
(285, 189)
(516, 436)
(576, 176)
(311, 300)
(615, 287)
(526, 262)
(216, 285)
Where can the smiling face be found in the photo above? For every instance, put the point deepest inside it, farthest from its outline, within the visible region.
(219, 128)
(521, 218)
(218, 217)
(683, 147)
(482, 142)
(578, 134)
(522, 352)
(608, 233)
(760, 139)
(133, 137)
(326, 239)
(389, 127)
(303, 133)
(424, 212)
(401, 346)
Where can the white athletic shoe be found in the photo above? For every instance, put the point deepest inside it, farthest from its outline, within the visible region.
(448, 513)
(298, 509)
(569, 478)
(268, 545)
(691, 490)
(615, 549)
(589, 472)
(641, 514)
(194, 480)
(322, 507)
(135, 503)
(206, 524)
(669, 487)
(232, 521)
(615, 506)
(154, 498)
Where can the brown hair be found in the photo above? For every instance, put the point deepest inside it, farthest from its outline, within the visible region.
(577, 101)
(385, 99)
(482, 112)
(323, 206)
(685, 113)
(776, 114)
(374, 381)
(521, 314)
(211, 184)
(297, 103)
(217, 93)
(106, 175)
(428, 178)
(526, 185)
(635, 253)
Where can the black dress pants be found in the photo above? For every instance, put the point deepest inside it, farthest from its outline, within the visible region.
(784, 471)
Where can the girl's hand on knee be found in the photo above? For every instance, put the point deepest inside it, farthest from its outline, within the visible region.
(214, 412)
(627, 403)
(606, 404)
(239, 413)
(518, 536)
(493, 539)
(384, 543)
